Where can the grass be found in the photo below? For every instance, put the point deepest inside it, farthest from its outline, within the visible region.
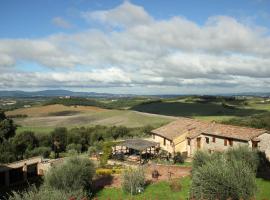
(263, 192)
(161, 190)
(155, 191)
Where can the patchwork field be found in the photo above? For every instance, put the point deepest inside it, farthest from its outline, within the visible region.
(43, 119)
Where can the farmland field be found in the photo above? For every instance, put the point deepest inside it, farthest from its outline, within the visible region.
(43, 119)
(206, 111)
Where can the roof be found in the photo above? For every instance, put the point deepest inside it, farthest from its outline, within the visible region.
(138, 144)
(235, 132)
(195, 128)
(181, 126)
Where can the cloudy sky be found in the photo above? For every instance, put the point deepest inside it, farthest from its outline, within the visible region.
(136, 46)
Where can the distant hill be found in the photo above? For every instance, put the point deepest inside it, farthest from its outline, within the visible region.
(55, 93)
(58, 93)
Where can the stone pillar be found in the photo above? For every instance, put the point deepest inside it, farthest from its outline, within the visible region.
(24, 169)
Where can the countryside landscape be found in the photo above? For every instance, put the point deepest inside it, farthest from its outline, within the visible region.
(135, 100)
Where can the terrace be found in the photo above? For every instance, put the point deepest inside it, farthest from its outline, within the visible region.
(136, 150)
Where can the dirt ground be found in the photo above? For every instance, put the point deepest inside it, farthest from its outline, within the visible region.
(165, 173)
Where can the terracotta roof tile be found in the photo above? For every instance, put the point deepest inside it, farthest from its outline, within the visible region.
(196, 127)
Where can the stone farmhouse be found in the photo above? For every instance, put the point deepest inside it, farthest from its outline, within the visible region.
(187, 135)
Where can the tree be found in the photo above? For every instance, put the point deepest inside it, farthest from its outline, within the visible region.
(7, 127)
(38, 151)
(7, 152)
(24, 141)
(59, 140)
(223, 176)
(133, 180)
(73, 174)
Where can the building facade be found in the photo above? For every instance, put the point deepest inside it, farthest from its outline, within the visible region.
(187, 135)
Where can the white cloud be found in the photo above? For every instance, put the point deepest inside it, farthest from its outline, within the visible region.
(60, 22)
(175, 52)
(127, 14)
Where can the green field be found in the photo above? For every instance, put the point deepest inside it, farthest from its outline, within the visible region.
(162, 191)
(198, 109)
(43, 122)
(42, 119)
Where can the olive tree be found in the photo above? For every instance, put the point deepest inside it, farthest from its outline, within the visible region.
(73, 174)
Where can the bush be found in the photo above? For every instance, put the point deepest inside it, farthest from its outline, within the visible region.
(246, 154)
(106, 172)
(76, 147)
(200, 158)
(73, 174)
(178, 158)
(39, 151)
(107, 151)
(133, 180)
(47, 194)
(92, 150)
(223, 176)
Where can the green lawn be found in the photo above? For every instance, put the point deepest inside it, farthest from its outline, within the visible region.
(161, 190)
(263, 189)
(155, 191)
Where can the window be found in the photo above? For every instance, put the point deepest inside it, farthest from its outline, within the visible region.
(188, 142)
(231, 142)
(153, 136)
(254, 144)
(207, 140)
(164, 141)
(214, 140)
(225, 142)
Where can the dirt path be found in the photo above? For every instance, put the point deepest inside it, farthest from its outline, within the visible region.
(166, 172)
(155, 115)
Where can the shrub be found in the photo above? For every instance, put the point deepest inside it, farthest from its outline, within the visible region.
(200, 158)
(223, 176)
(39, 151)
(178, 158)
(107, 151)
(73, 174)
(133, 180)
(246, 154)
(47, 194)
(76, 147)
(175, 185)
(92, 150)
(104, 172)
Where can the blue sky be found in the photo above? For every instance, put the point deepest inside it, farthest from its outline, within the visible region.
(144, 47)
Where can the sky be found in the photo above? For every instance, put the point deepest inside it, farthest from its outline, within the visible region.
(136, 46)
